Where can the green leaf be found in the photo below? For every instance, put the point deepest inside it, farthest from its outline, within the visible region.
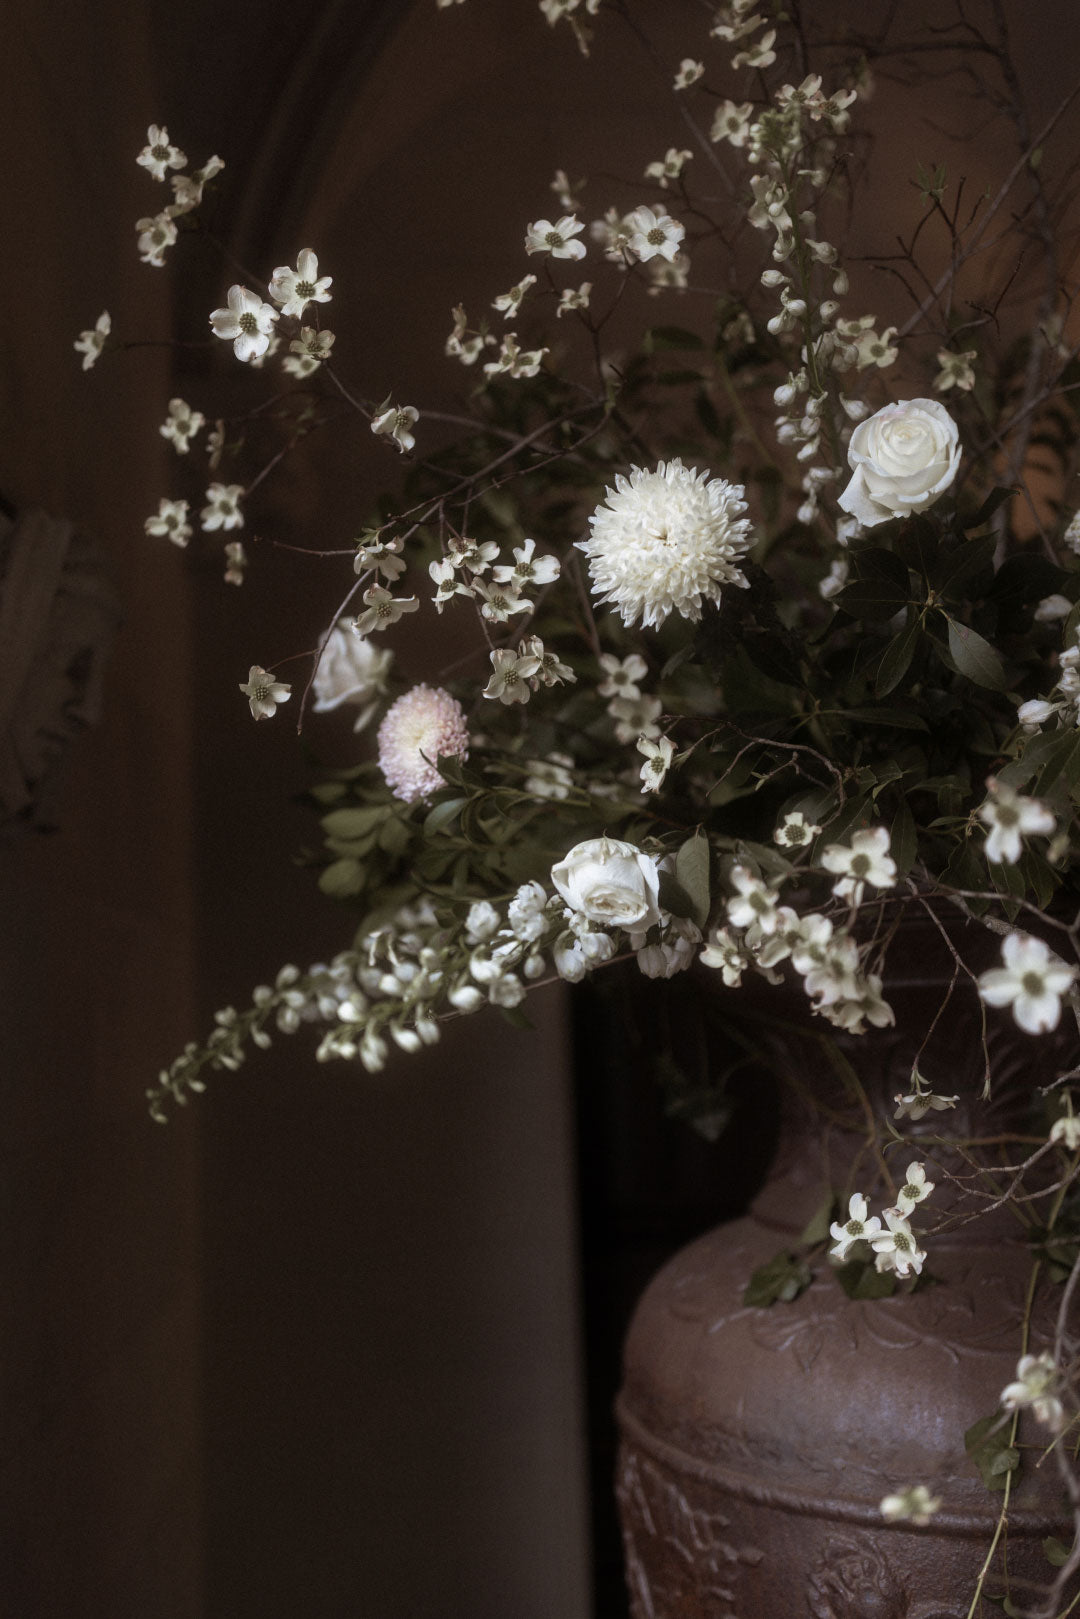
(904, 839)
(1063, 763)
(394, 836)
(860, 1280)
(343, 878)
(873, 599)
(986, 1442)
(918, 544)
(1026, 578)
(896, 717)
(1056, 1551)
(782, 1279)
(692, 875)
(975, 657)
(997, 497)
(443, 815)
(970, 557)
(354, 823)
(897, 656)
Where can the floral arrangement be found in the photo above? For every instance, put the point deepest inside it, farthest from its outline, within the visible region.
(760, 645)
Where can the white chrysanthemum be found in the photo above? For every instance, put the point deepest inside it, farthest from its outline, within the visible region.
(420, 726)
(664, 540)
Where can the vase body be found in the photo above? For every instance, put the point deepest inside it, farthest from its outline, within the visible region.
(757, 1443)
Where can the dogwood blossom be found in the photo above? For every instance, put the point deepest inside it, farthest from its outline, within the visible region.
(622, 675)
(91, 342)
(155, 235)
(511, 672)
(914, 1505)
(658, 756)
(956, 371)
(732, 122)
(795, 832)
(397, 421)
(236, 562)
(556, 239)
(897, 1249)
(159, 153)
(1032, 982)
(1037, 1380)
(1009, 815)
(246, 321)
(515, 361)
(264, 693)
(295, 289)
(654, 233)
(570, 299)
(859, 1226)
(915, 1190)
(222, 509)
(508, 303)
(181, 425)
(308, 351)
(552, 777)
(669, 167)
(382, 610)
(865, 860)
(689, 73)
(171, 522)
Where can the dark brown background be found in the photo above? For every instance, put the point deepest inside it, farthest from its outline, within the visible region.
(315, 1347)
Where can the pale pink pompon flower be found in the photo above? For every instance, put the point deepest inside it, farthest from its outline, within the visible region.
(422, 725)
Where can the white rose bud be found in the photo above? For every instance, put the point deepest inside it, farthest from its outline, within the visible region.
(351, 671)
(611, 883)
(904, 457)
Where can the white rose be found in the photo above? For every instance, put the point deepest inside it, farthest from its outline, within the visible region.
(611, 883)
(904, 457)
(350, 670)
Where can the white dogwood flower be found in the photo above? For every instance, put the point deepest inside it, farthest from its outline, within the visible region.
(865, 860)
(1009, 815)
(155, 235)
(1037, 1380)
(91, 342)
(171, 522)
(557, 239)
(263, 692)
(897, 1249)
(654, 233)
(246, 321)
(295, 289)
(397, 421)
(914, 1505)
(222, 509)
(159, 153)
(915, 1190)
(181, 425)
(856, 1228)
(1032, 982)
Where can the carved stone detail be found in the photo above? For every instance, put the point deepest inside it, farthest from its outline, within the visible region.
(851, 1579)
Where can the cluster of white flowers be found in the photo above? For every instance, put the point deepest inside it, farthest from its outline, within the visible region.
(462, 571)
(247, 321)
(1038, 1388)
(896, 1248)
(827, 958)
(158, 232)
(1064, 700)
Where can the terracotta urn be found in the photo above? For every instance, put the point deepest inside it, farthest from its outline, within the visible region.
(757, 1443)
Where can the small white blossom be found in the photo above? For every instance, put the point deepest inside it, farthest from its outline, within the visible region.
(915, 1190)
(499, 602)
(724, 952)
(382, 610)
(308, 351)
(897, 1249)
(91, 342)
(155, 235)
(1009, 815)
(551, 777)
(509, 682)
(795, 832)
(181, 425)
(856, 1228)
(569, 299)
(866, 860)
(508, 303)
(1071, 535)
(460, 347)
(236, 562)
(635, 716)
(263, 692)
(622, 675)
(916, 1104)
(914, 1505)
(171, 522)
(564, 190)
(875, 350)
(528, 569)
(556, 239)
(689, 73)
(654, 233)
(1066, 1129)
(397, 421)
(295, 289)
(731, 122)
(835, 580)
(515, 361)
(1052, 608)
(759, 55)
(247, 322)
(658, 757)
(552, 671)
(956, 371)
(1037, 1381)
(159, 153)
(669, 167)
(753, 902)
(1034, 713)
(1032, 982)
(222, 509)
